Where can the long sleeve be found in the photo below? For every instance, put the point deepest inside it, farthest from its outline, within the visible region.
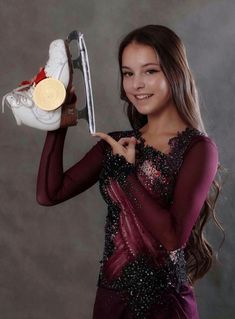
(53, 184)
(172, 227)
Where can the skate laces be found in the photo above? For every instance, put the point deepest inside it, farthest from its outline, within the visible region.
(17, 93)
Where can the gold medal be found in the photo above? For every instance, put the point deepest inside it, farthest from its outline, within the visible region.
(49, 94)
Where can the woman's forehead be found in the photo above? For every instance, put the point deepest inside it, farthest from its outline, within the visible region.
(139, 53)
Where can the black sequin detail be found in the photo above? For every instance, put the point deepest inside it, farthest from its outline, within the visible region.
(141, 283)
(117, 167)
(114, 167)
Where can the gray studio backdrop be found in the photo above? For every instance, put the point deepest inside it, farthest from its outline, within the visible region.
(49, 256)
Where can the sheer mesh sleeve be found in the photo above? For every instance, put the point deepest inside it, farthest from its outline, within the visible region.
(55, 186)
(172, 227)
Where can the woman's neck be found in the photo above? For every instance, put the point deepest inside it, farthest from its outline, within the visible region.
(166, 123)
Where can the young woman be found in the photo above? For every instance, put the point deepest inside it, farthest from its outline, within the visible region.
(157, 180)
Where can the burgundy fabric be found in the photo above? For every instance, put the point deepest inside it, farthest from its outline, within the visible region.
(55, 186)
(171, 227)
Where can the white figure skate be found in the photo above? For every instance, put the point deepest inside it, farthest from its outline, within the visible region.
(40, 103)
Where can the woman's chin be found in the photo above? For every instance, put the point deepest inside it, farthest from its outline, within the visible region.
(144, 110)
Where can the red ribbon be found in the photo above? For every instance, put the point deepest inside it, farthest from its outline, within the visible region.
(35, 80)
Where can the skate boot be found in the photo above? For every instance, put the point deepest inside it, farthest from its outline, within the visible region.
(43, 111)
(42, 103)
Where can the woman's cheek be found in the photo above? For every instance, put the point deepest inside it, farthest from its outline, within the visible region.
(125, 85)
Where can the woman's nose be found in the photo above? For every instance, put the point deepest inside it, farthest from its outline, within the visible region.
(138, 82)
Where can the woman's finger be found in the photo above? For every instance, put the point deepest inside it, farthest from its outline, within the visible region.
(125, 146)
(111, 141)
(72, 90)
(124, 140)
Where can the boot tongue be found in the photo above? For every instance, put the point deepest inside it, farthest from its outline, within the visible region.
(39, 77)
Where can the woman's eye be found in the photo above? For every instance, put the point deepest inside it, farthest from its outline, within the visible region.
(152, 71)
(126, 74)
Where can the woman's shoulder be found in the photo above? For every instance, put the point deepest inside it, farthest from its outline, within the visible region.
(192, 139)
(202, 137)
(201, 142)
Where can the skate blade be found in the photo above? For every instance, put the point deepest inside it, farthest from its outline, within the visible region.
(82, 63)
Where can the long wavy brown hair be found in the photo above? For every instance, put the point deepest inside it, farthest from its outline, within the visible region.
(199, 253)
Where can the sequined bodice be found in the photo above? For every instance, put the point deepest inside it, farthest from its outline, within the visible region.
(156, 170)
(141, 277)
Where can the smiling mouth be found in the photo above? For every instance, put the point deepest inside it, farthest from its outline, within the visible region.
(141, 97)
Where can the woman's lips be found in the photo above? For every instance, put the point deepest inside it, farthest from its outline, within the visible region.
(141, 97)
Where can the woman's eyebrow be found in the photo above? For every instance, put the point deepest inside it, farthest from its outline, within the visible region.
(144, 65)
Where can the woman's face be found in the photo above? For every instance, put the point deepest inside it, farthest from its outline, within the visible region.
(144, 82)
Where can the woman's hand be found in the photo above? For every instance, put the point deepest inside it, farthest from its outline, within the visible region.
(125, 146)
(71, 94)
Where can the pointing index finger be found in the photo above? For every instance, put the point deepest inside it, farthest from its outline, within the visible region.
(105, 137)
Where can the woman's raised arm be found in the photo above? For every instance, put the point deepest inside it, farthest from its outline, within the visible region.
(53, 184)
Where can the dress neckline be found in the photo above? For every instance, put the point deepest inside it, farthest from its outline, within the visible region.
(171, 141)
